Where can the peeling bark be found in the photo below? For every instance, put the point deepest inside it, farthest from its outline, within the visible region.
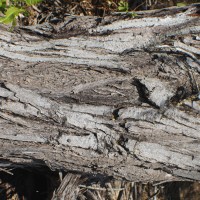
(115, 95)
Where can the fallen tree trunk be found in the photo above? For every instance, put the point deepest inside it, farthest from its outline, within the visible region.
(115, 95)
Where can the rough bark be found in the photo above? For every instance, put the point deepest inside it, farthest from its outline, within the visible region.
(114, 95)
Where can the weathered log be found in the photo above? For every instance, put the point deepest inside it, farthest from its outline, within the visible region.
(114, 95)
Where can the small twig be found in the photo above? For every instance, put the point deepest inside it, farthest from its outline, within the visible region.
(60, 176)
(154, 195)
(36, 9)
(135, 191)
(99, 196)
(101, 189)
(131, 191)
(161, 182)
(5, 170)
(139, 6)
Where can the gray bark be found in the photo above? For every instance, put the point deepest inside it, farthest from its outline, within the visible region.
(114, 95)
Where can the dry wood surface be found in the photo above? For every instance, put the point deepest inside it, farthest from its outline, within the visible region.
(116, 95)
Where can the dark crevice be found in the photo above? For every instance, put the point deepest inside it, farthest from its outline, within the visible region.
(127, 51)
(181, 93)
(144, 93)
(122, 142)
(39, 32)
(2, 85)
(103, 33)
(142, 89)
(123, 125)
(47, 120)
(116, 113)
(64, 99)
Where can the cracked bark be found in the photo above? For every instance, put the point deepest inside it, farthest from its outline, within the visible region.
(116, 95)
